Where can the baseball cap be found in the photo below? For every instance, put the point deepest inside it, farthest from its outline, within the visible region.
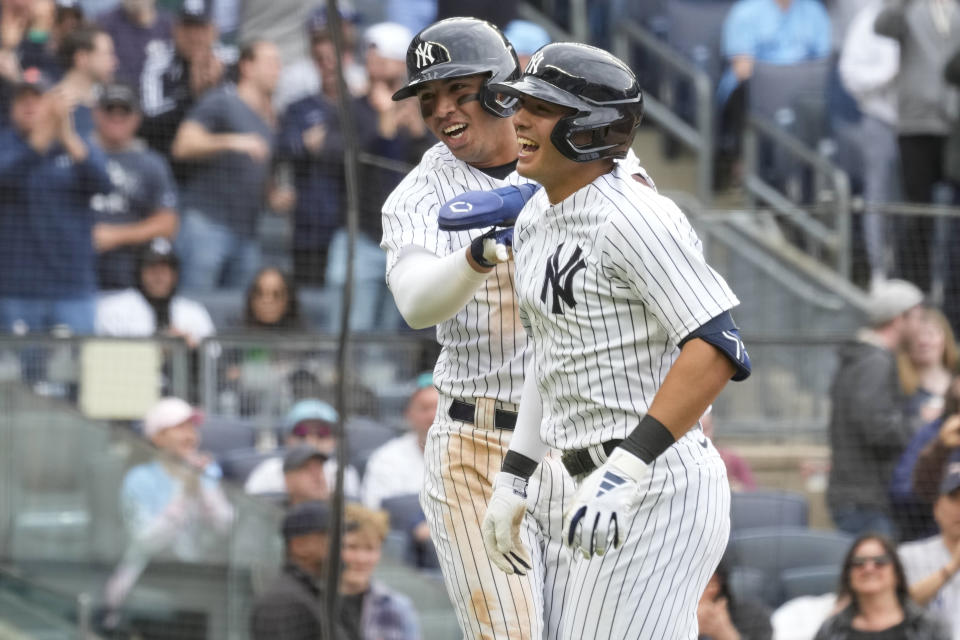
(307, 517)
(196, 12)
(301, 455)
(310, 409)
(159, 250)
(390, 39)
(168, 412)
(890, 299)
(526, 37)
(317, 20)
(119, 95)
(33, 79)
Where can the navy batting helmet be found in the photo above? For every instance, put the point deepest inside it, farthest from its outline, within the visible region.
(458, 47)
(597, 86)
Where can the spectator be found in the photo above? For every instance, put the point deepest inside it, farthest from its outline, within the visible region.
(302, 77)
(772, 31)
(229, 135)
(931, 565)
(526, 37)
(175, 503)
(738, 470)
(47, 33)
(272, 302)
(926, 363)
(868, 67)
(915, 485)
(369, 609)
(721, 616)
(868, 429)
(311, 422)
(88, 57)
(152, 306)
(176, 75)
(873, 581)
(927, 31)
(143, 201)
(136, 26)
(293, 606)
(48, 172)
(387, 129)
(304, 478)
(396, 467)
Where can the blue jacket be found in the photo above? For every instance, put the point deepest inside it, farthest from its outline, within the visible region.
(46, 250)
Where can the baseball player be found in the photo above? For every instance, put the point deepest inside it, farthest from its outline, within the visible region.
(633, 339)
(463, 282)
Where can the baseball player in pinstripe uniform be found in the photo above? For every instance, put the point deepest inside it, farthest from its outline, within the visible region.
(463, 282)
(633, 339)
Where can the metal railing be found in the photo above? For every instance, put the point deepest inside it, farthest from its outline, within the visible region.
(831, 190)
(699, 135)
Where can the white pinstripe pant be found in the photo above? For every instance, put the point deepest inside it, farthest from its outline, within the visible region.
(649, 588)
(461, 460)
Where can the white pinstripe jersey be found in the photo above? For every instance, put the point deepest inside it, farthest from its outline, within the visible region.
(609, 282)
(483, 346)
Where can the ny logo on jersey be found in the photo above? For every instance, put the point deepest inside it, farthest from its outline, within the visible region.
(534, 65)
(430, 53)
(561, 279)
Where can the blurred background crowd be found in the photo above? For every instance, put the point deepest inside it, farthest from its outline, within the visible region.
(173, 256)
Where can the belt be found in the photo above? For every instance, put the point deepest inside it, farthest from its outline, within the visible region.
(465, 412)
(582, 461)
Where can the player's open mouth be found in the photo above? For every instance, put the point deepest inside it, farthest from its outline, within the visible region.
(455, 130)
(527, 146)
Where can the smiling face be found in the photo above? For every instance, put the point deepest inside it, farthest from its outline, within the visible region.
(872, 571)
(361, 554)
(453, 114)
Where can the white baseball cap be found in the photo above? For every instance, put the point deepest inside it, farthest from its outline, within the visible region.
(890, 299)
(167, 413)
(389, 39)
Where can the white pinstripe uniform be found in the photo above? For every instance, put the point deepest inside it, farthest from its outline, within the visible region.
(482, 362)
(609, 281)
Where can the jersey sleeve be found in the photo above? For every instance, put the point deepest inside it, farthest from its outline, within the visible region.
(410, 217)
(209, 111)
(655, 255)
(164, 189)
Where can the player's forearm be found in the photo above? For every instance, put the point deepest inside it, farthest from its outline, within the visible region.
(429, 290)
(692, 384)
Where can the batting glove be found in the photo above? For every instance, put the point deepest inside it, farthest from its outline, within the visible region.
(501, 524)
(493, 247)
(604, 504)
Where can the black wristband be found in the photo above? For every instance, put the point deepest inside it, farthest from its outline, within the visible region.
(648, 440)
(476, 251)
(519, 465)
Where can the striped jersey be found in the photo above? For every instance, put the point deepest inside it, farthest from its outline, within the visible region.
(609, 281)
(483, 346)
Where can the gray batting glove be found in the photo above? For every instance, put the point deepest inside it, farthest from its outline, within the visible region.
(501, 524)
(599, 514)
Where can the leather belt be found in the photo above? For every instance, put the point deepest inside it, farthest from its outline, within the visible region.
(466, 412)
(582, 461)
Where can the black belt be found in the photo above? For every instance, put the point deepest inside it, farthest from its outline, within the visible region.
(466, 412)
(579, 462)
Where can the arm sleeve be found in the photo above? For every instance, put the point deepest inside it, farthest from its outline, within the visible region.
(93, 170)
(208, 112)
(15, 158)
(428, 289)
(164, 195)
(657, 256)
(868, 61)
(526, 435)
(738, 36)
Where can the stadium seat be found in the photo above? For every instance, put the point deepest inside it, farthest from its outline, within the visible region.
(364, 436)
(754, 509)
(238, 464)
(220, 435)
(809, 581)
(777, 550)
(405, 511)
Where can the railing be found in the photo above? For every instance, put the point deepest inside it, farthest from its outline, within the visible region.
(699, 136)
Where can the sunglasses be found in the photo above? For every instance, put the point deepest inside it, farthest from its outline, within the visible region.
(274, 294)
(313, 428)
(858, 562)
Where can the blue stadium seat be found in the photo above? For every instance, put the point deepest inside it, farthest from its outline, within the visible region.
(809, 581)
(768, 508)
(238, 465)
(220, 435)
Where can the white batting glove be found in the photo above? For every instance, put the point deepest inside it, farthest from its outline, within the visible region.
(501, 524)
(603, 505)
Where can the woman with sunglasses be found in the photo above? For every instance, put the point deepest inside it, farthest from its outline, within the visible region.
(873, 582)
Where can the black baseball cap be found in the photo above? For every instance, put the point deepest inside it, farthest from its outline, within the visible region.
(301, 455)
(159, 250)
(196, 12)
(119, 95)
(305, 518)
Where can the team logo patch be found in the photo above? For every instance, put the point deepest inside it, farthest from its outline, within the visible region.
(534, 65)
(428, 53)
(560, 280)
